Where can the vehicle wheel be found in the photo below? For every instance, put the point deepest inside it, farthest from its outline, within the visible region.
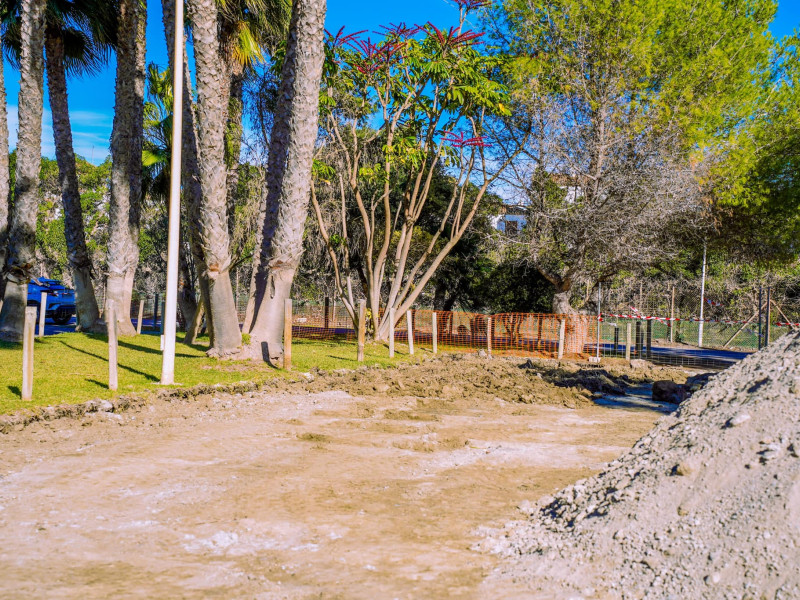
(62, 319)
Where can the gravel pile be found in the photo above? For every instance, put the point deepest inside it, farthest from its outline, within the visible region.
(707, 505)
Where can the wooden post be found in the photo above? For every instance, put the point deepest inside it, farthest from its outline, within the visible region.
(163, 304)
(562, 330)
(112, 347)
(327, 316)
(42, 311)
(616, 339)
(410, 327)
(362, 328)
(628, 327)
(391, 333)
(28, 331)
(649, 339)
(155, 311)
(435, 330)
(140, 317)
(489, 336)
(672, 317)
(287, 334)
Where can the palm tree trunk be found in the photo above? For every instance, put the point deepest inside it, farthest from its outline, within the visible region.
(77, 254)
(126, 153)
(289, 188)
(5, 184)
(192, 191)
(234, 145)
(22, 236)
(213, 87)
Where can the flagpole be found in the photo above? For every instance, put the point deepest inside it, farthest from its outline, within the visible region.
(171, 307)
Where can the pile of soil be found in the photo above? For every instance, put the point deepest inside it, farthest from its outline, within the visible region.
(545, 382)
(707, 505)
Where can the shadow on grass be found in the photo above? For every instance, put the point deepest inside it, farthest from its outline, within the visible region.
(99, 384)
(15, 389)
(147, 376)
(147, 350)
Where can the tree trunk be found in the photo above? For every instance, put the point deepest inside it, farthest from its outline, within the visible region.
(289, 188)
(186, 298)
(126, 169)
(77, 254)
(5, 184)
(234, 145)
(213, 87)
(22, 236)
(561, 305)
(190, 175)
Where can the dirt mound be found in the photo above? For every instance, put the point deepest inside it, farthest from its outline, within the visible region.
(462, 376)
(707, 505)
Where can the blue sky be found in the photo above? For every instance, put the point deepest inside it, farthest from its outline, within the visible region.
(92, 99)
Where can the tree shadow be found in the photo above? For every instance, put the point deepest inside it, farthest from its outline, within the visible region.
(99, 384)
(147, 376)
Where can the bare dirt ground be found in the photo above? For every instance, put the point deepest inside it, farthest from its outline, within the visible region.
(297, 493)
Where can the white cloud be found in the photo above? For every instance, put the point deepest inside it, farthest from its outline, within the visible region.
(91, 132)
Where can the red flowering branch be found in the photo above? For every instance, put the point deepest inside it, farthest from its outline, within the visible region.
(450, 38)
(339, 40)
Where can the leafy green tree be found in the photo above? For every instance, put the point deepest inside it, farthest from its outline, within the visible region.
(393, 112)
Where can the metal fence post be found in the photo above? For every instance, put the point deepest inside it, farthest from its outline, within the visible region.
(362, 328)
(42, 312)
(760, 305)
(489, 336)
(155, 311)
(327, 316)
(768, 327)
(616, 339)
(649, 339)
(672, 317)
(28, 330)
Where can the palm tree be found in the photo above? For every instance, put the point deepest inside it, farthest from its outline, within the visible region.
(156, 155)
(5, 185)
(192, 192)
(213, 81)
(289, 181)
(126, 154)
(78, 37)
(22, 236)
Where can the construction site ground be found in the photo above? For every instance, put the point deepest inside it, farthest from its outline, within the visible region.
(367, 484)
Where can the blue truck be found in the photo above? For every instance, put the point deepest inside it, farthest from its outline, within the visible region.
(60, 299)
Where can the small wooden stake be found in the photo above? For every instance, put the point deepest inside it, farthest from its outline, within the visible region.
(410, 327)
(628, 328)
(435, 330)
(562, 330)
(140, 317)
(28, 331)
(111, 322)
(327, 316)
(489, 336)
(391, 333)
(287, 334)
(42, 311)
(362, 328)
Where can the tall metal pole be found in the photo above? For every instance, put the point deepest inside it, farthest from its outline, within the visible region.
(760, 305)
(171, 308)
(702, 298)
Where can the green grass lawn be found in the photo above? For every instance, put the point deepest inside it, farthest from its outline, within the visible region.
(73, 367)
